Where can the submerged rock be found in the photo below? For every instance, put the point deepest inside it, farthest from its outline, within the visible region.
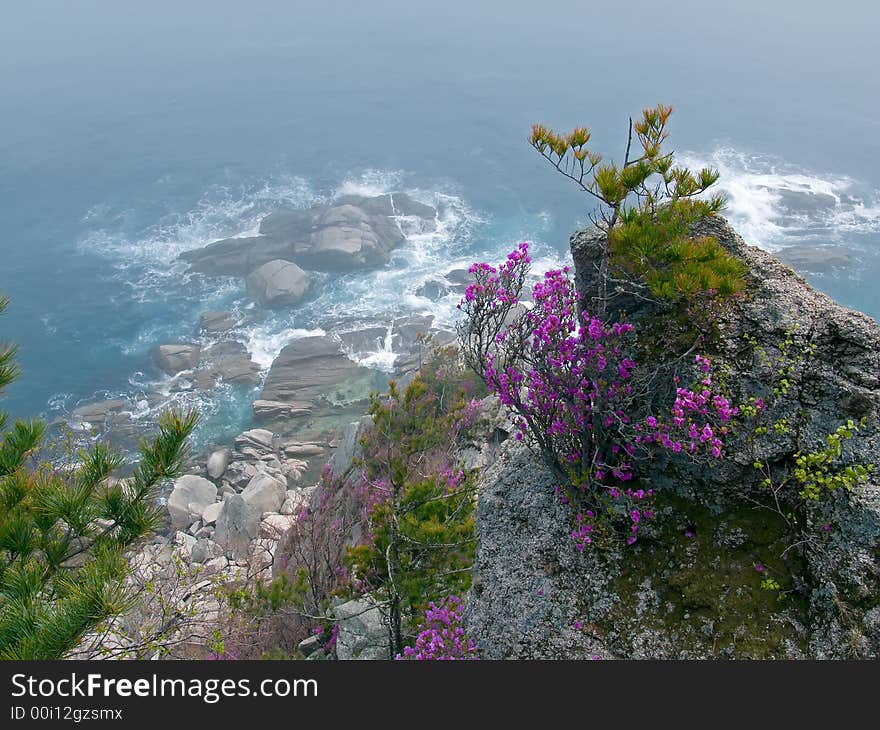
(219, 322)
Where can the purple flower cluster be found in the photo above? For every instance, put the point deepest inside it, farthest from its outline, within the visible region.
(576, 393)
(698, 418)
(441, 636)
(502, 283)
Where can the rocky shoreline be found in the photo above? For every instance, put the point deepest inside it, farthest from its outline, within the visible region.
(694, 593)
(228, 513)
(318, 382)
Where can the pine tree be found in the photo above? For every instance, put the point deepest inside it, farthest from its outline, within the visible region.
(647, 207)
(421, 544)
(65, 526)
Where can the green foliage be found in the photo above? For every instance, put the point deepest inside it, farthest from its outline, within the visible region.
(647, 208)
(421, 522)
(800, 483)
(64, 527)
(259, 598)
(770, 584)
(822, 470)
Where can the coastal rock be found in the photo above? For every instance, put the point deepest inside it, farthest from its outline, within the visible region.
(237, 525)
(313, 368)
(295, 500)
(352, 233)
(362, 631)
(217, 463)
(390, 204)
(275, 525)
(219, 322)
(211, 513)
(259, 438)
(278, 283)
(230, 361)
(190, 496)
(101, 412)
(175, 358)
(271, 410)
(459, 278)
(204, 550)
(235, 256)
(294, 469)
(347, 238)
(432, 289)
(689, 588)
(184, 545)
(349, 447)
(529, 580)
(239, 473)
(265, 493)
(290, 226)
(295, 448)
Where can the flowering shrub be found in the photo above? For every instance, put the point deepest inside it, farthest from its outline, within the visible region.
(576, 393)
(418, 528)
(441, 636)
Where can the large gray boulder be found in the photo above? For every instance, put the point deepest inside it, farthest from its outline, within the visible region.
(230, 361)
(217, 463)
(346, 237)
(235, 256)
(278, 283)
(237, 525)
(308, 369)
(530, 583)
(190, 496)
(363, 633)
(352, 233)
(265, 493)
(175, 358)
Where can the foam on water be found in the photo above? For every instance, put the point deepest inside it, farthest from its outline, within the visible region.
(370, 183)
(381, 358)
(147, 259)
(775, 204)
(266, 340)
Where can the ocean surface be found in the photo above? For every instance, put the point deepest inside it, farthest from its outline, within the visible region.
(130, 133)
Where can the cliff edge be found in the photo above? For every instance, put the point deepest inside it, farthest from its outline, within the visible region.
(695, 585)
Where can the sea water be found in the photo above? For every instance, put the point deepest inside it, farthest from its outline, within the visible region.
(132, 134)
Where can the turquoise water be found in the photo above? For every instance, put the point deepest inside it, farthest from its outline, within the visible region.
(131, 134)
